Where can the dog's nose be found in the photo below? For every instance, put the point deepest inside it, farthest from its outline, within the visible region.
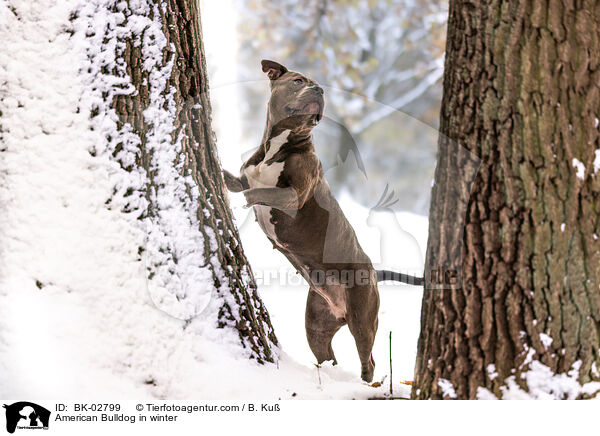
(317, 88)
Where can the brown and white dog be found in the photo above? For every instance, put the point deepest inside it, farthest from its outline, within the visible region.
(283, 181)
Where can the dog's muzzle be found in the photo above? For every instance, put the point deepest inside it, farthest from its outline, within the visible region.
(315, 109)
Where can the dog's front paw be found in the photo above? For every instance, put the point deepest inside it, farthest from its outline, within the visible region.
(233, 183)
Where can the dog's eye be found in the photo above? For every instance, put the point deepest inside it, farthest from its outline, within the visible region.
(298, 81)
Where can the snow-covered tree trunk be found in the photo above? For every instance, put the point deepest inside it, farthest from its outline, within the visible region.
(119, 260)
(515, 311)
(170, 112)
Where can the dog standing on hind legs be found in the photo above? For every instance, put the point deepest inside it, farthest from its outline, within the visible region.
(283, 181)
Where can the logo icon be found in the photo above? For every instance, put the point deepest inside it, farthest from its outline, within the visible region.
(26, 415)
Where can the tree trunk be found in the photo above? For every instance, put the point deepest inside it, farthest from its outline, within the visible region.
(512, 291)
(178, 155)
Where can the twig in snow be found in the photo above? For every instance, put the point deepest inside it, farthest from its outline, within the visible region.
(391, 389)
(318, 372)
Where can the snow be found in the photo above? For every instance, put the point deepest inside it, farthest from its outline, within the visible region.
(580, 168)
(173, 236)
(542, 383)
(173, 232)
(491, 370)
(528, 357)
(546, 340)
(596, 161)
(447, 388)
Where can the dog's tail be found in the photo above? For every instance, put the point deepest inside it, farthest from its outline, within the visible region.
(383, 275)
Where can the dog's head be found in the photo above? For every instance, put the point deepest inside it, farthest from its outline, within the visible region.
(296, 102)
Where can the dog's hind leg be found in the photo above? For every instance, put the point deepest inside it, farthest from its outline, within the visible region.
(321, 326)
(363, 305)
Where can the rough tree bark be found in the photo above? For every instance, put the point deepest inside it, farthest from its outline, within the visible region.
(180, 21)
(522, 276)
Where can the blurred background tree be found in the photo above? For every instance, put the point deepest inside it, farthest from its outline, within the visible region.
(381, 62)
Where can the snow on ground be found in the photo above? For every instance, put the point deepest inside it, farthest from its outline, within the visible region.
(76, 316)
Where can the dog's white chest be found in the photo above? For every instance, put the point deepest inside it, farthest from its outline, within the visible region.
(265, 175)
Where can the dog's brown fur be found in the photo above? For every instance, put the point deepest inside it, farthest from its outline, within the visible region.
(284, 182)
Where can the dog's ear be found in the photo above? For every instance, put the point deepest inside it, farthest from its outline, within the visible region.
(273, 69)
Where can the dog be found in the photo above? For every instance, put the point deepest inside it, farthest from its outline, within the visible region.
(283, 181)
